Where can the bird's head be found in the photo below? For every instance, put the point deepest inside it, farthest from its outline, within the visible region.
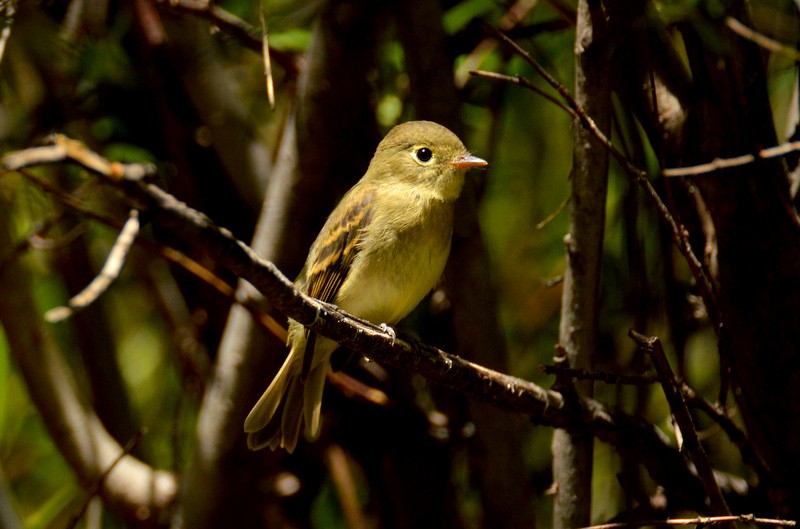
(425, 155)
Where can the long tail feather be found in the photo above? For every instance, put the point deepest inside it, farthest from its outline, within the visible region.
(266, 406)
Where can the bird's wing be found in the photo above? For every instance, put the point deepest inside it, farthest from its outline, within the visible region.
(332, 258)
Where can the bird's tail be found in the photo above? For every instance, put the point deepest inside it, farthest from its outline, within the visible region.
(276, 418)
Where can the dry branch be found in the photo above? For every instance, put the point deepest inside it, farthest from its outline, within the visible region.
(543, 406)
(691, 442)
(110, 271)
(699, 521)
(677, 232)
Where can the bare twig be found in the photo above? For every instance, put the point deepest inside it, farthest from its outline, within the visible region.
(95, 488)
(573, 450)
(736, 161)
(109, 272)
(521, 81)
(7, 11)
(759, 38)
(361, 335)
(599, 376)
(62, 148)
(34, 239)
(510, 19)
(738, 437)
(699, 521)
(677, 232)
(691, 442)
(266, 56)
(171, 254)
(345, 485)
(542, 406)
(248, 35)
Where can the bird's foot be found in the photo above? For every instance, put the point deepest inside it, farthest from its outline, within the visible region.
(388, 330)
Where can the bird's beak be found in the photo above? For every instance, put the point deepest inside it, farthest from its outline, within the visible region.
(465, 161)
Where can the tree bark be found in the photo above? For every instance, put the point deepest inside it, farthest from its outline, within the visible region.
(573, 450)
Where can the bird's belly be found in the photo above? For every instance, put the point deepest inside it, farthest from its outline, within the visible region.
(388, 292)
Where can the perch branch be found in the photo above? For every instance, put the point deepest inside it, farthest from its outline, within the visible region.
(543, 406)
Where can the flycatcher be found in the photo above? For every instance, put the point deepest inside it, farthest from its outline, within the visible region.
(380, 252)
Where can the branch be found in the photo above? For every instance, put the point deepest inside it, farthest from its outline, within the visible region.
(762, 40)
(699, 521)
(172, 255)
(736, 161)
(543, 406)
(738, 437)
(246, 34)
(678, 233)
(362, 336)
(110, 272)
(599, 376)
(691, 442)
(573, 451)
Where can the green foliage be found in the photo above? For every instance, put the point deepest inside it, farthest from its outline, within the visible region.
(133, 101)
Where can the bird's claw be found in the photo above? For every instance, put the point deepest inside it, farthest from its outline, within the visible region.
(388, 330)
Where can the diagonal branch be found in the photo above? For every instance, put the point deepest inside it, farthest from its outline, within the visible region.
(652, 346)
(545, 407)
(678, 233)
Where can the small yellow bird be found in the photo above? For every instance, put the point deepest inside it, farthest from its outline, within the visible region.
(380, 252)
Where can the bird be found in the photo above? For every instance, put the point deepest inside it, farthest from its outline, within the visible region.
(379, 253)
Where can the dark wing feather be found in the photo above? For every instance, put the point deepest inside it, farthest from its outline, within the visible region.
(332, 257)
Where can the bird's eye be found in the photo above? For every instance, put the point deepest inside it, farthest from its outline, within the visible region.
(424, 154)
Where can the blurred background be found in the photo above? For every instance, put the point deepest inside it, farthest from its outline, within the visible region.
(181, 85)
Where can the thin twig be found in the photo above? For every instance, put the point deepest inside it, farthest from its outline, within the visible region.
(677, 232)
(109, 272)
(345, 485)
(171, 254)
(95, 488)
(600, 376)
(737, 161)
(7, 12)
(34, 239)
(248, 35)
(700, 520)
(267, 61)
(652, 346)
(62, 148)
(738, 437)
(761, 39)
(543, 406)
(521, 81)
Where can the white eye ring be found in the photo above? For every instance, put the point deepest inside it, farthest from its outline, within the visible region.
(422, 155)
